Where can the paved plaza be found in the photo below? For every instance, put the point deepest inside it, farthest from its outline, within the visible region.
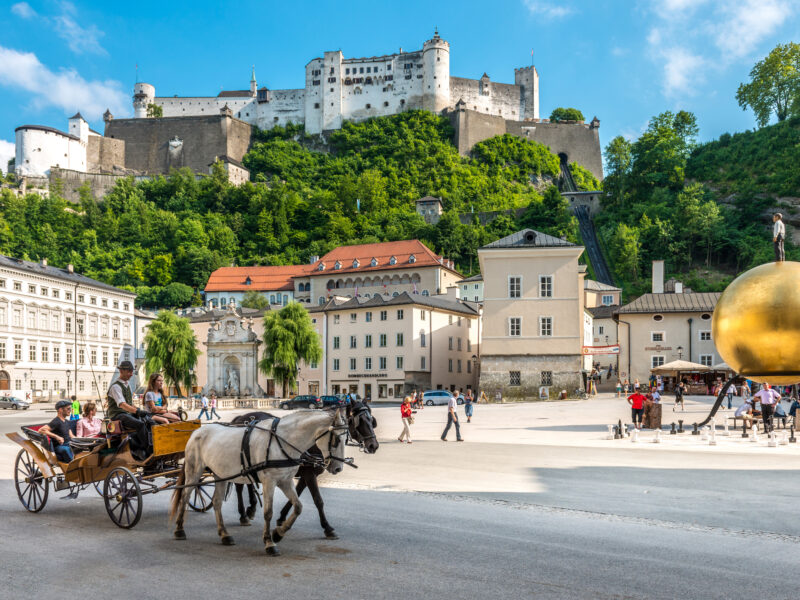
(536, 503)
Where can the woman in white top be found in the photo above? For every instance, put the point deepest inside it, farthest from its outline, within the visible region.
(155, 400)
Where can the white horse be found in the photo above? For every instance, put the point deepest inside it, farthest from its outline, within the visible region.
(219, 448)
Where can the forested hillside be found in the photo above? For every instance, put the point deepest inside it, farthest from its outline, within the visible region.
(163, 237)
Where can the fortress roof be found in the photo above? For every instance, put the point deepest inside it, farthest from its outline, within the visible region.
(233, 93)
(260, 278)
(382, 252)
(48, 129)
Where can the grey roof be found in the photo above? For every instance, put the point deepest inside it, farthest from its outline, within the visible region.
(478, 277)
(603, 312)
(58, 273)
(233, 93)
(77, 115)
(441, 302)
(661, 303)
(429, 199)
(598, 286)
(50, 129)
(215, 314)
(529, 238)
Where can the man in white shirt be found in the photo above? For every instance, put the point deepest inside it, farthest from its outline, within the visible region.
(452, 418)
(768, 399)
(778, 235)
(121, 408)
(745, 412)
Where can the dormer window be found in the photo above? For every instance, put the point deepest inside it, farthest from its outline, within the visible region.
(356, 264)
(248, 281)
(393, 260)
(412, 259)
(373, 262)
(337, 266)
(321, 267)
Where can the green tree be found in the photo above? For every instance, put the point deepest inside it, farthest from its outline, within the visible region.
(254, 299)
(289, 337)
(566, 114)
(618, 167)
(171, 349)
(154, 111)
(774, 84)
(624, 250)
(176, 295)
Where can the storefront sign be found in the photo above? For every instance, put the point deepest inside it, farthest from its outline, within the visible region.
(658, 348)
(614, 349)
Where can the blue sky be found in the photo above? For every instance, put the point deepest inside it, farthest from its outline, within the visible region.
(620, 60)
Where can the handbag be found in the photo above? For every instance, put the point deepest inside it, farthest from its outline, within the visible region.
(410, 420)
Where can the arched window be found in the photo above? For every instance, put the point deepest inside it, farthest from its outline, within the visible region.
(322, 299)
(272, 298)
(425, 293)
(285, 299)
(223, 302)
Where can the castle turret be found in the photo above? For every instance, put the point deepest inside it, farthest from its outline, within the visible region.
(528, 80)
(436, 74)
(253, 86)
(79, 127)
(144, 94)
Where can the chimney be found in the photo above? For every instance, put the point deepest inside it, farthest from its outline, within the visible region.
(44, 262)
(313, 260)
(452, 292)
(678, 287)
(658, 276)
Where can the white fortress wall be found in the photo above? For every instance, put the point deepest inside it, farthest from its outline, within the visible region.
(284, 106)
(39, 148)
(500, 99)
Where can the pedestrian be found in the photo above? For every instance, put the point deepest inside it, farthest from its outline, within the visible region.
(679, 391)
(619, 388)
(468, 406)
(626, 387)
(452, 418)
(778, 235)
(212, 403)
(76, 409)
(636, 385)
(636, 400)
(729, 394)
(655, 396)
(768, 399)
(204, 408)
(407, 418)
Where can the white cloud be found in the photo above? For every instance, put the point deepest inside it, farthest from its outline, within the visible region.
(683, 72)
(23, 10)
(746, 23)
(64, 89)
(548, 10)
(7, 151)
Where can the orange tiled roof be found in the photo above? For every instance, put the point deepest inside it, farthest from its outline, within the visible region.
(262, 279)
(382, 252)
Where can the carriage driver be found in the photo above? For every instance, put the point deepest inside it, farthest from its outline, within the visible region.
(121, 408)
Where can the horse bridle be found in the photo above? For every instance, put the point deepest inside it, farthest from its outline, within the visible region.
(333, 442)
(354, 437)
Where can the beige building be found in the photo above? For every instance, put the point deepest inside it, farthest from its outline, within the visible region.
(602, 301)
(533, 318)
(670, 323)
(596, 294)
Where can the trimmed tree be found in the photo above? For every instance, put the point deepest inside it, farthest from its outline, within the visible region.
(566, 114)
(171, 349)
(289, 337)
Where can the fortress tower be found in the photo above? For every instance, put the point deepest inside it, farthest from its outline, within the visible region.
(527, 78)
(79, 128)
(436, 74)
(143, 95)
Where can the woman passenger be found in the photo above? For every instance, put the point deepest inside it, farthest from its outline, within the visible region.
(89, 424)
(155, 400)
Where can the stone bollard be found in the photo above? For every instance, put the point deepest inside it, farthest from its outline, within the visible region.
(744, 429)
(772, 441)
(657, 439)
(680, 426)
(695, 430)
(673, 430)
(610, 435)
(725, 431)
(635, 435)
(784, 441)
(792, 439)
(704, 434)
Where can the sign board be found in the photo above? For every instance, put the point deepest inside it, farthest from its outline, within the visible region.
(614, 349)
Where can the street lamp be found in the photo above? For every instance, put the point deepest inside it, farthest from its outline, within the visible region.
(680, 352)
(69, 372)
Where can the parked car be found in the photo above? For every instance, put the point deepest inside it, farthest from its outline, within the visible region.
(305, 401)
(333, 400)
(432, 397)
(15, 403)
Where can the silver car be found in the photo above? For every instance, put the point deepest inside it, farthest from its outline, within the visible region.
(12, 402)
(432, 397)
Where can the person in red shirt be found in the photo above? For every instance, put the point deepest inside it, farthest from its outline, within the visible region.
(405, 415)
(637, 400)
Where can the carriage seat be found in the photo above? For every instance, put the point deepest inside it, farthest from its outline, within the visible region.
(85, 444)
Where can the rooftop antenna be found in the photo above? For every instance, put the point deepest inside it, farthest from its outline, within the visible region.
(137, 72)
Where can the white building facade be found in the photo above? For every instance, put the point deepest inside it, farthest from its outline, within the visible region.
(60, 333)
(338, 89)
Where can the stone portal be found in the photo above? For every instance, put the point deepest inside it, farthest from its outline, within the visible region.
(232, 355)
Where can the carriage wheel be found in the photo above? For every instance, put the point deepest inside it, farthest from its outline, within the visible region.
(32, 486)
(200, 497)
(123, 498)
(98, 486)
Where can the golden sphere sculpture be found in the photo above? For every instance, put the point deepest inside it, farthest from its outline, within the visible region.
(756, 324)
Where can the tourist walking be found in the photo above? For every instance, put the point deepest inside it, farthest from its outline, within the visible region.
(778, 235)
(619, 388)
(212, 404)
(729, 393)
(468, 406)
(679, 392)
(452, 419)
(407, 418)
(76, 409)
(636, 400)
(204, 408)
(768, 399)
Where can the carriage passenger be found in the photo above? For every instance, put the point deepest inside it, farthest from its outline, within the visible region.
(89, 424)
(155, 400)
(58, 429)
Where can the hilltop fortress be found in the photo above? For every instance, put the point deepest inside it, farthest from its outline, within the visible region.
(195, 131)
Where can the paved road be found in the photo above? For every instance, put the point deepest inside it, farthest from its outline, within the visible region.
(511, 513)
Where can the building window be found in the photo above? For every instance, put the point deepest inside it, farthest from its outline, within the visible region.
(382, 340)
(56, 354)
(514, 378)
(608, 300)
(515, 287)
(545, 286)
(335, 364)
(353, 341)
(69, 355)
(450, 343)
(400, 314)
(352, 364)
(422, 340)
(458, 340)
(458, 366)
(104, 302)
(515, 326)
(399, 362)
(353, 317)
(81, 385)
(32, 352)
(656, 361)
(43, 291)
(81, 356)
(17, 286)
(105, 358)
(656, 336)
(601, 329)
(93, 356)
(335, 319)
(450, 365)
(545, 326)
(31, 289)
(116, 304)
(93, 300)
(368, 317)
(45, 354)
(336, 342)
(705, 336)
(17, 352)
(368, 363)
(80, 326)
(2, 350)
(469, 366)
(422, 315)
(547, 378)
(706, 360)
(368, 341)
(399, 339)
(382, 363)
(383, 315)
(422, 363)
(469, 344)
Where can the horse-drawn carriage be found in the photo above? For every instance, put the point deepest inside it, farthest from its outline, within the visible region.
(106, 464)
